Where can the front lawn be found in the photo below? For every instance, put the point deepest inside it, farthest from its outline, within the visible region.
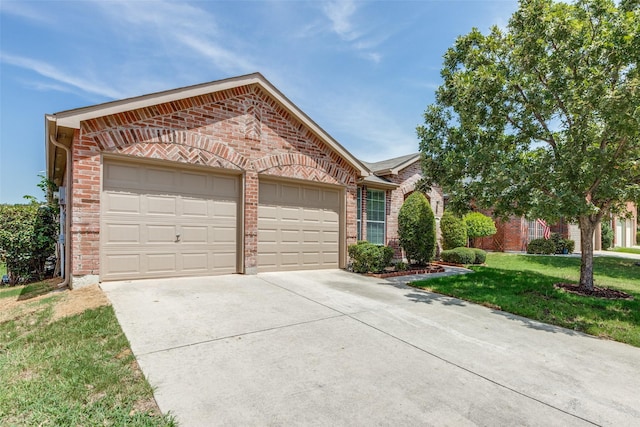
(627, 250)
(523, 285)
(61, 368)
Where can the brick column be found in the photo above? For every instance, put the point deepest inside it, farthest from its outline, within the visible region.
(85, 212)
(251, 222)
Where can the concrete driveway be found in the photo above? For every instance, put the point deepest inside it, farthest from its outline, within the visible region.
(334, 348)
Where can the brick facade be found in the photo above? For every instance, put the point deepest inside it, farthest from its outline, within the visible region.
(241, 129)
(406, 181)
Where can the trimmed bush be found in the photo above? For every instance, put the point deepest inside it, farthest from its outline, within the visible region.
(637, 237)
(541, 247)
(481, 256)
(370, 258)
(479, 225)
(454, 231)
(459, 256)
(28, 235)
(417, 229)
(607, 236)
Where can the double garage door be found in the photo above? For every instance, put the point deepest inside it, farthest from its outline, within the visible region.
(161, 221)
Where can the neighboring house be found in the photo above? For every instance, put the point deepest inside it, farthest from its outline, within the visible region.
(515, 234)
(223, 177)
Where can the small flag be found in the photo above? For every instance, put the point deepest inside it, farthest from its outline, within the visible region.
(546, 229)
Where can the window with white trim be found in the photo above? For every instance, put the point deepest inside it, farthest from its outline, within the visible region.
(359, 214)
(376, 214)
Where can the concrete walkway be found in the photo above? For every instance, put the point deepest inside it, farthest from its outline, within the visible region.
(334, 348)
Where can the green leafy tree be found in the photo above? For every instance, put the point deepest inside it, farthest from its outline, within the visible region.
(478, 225)
(454, 231)
(542, 118)
(417, 229)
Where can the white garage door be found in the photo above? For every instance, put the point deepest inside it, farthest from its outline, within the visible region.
(165, 222)
(298, 226)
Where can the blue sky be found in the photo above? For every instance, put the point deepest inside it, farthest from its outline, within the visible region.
(363, 70)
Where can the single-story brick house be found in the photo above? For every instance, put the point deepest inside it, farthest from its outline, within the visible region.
(222, 177)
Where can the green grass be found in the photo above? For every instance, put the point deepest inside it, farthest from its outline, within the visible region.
(78, 370)
(627, 250)
(523, 285)
(25, 292)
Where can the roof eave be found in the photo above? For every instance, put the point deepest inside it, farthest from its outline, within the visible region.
(73, 118)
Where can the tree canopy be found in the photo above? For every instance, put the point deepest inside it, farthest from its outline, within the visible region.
(542, 118)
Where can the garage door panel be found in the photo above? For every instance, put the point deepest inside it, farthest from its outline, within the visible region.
(194, 234)
(161, 263)
(122, 233)
(161, 205)
(298, 226)
(195, 261)
(196, 208)
(144, 209)
(122, 203)
(123, 264)
(225, 209)
(161, 234)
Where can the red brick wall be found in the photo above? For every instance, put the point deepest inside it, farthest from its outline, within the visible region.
(241, 129)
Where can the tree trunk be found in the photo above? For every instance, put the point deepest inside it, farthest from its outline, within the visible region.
(587, 229)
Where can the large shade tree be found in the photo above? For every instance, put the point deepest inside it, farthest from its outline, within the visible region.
(542, 118)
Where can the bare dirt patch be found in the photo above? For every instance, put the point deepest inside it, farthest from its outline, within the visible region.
(68, 303)
(77, 301)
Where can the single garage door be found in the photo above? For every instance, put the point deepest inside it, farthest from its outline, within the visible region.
(165, 222)
(298, 226)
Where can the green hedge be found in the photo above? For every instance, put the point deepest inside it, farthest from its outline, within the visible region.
(454, 231)
(481, 256)
(541, 247)
(369, 258)
(459, 256)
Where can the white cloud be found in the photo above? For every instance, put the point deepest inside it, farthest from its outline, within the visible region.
(340, 14)
(23, 10)
(51, 72)
(182, 28)
(342, 17)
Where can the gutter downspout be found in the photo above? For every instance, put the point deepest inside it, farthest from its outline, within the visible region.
(67, 216)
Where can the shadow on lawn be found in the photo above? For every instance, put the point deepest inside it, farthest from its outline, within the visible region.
(529, 297)
(609, 266)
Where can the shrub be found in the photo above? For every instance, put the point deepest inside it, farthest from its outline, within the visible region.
(606, 236)
(541, 247)
(637, 237)
(459, 256)
(454, 231)
(370, 258)
(417, 229)
(401, 266)
(28, 235)
(481, 256)
(562, 244)
(479, 225)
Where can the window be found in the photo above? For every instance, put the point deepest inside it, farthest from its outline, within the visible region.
(376, 212)
(359, 214)
(536, 230)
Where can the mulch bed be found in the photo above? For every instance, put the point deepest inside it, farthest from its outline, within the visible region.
(596, 292)
(427, 270)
